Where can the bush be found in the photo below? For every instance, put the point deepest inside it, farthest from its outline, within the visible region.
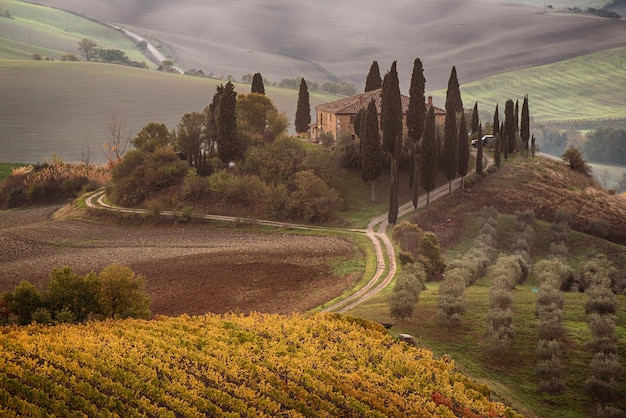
(576, 161)
(348, 150)
(42, 316)
(186, 215)
(407, 235)
(121, 293)
(313, 200)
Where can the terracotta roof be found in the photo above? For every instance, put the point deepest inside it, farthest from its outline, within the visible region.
(352, 105)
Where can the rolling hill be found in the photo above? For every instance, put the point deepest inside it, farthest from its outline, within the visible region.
(327, 41)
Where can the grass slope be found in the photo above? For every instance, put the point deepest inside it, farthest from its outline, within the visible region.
(518, 185)
(52, 33)
(65, 107)
(586, 87)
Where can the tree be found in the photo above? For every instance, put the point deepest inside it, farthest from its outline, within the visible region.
(450, 303)
(253, 112)
(415, 117)
(121, 293)
(475, 119)
(88, 48)
(371, 153)
(576, 161)
(115, 147)
(23, 302)
(464, 151)
(229, 146)
(497, 150)
(509, 127)
(189, 138)
(391, 118)
(428, 172)
(303, 110)
(152, 136)
(525, 123)
(479, 151)
(453, 94)
(257, 84)
(373, 81)
(69, 291)
(451, 135)
(393, 193)
(405, 293)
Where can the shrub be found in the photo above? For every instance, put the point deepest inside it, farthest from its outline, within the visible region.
(348, 150)
(576, 161)
(186, 215)
(327, 140)
(23, 302)
(42, 316)
(69, 57)
(69, 291)
(121, 293)
(603, 384)
(313, 200)
(430, 254)
(407, 235)
(194, 187)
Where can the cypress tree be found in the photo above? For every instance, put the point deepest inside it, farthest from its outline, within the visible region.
(454, 92)
(229, 147)
(428, 172)
(516, 116)
(257, 84)
(506, 141)
(415, 116)
(479, 151)
(303, 110)
(392, 111)
(497, 151)
(496, 121)
(450, 136)
(475, 119)
(393, 193)
(373, 81)
(509, 126)
(371, 153)
(464, 151)
(525, 123)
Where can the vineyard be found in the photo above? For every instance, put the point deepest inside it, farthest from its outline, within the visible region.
(230, 365)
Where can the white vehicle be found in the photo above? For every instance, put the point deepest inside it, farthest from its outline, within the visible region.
(487, 139)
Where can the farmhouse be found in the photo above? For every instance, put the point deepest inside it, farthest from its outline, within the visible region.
(338, 117)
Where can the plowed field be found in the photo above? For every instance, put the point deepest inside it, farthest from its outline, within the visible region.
(190, 270)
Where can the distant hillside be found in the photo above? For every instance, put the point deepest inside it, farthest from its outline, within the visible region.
(329, 41)
(583, 88)
(66, 107)
(53, 33)
(544, 185)
(235, 365)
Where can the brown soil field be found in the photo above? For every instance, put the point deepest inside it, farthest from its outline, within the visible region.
(191, 269)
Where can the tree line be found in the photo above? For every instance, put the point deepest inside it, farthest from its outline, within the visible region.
(234, 157)
(116, 292)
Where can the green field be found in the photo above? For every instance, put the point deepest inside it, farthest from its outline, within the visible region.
(586, 87)
(52, 33)
(65, 107)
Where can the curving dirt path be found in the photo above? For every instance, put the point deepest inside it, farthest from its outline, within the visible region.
(386, 266)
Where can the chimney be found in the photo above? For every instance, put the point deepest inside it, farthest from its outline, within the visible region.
(430, 102)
